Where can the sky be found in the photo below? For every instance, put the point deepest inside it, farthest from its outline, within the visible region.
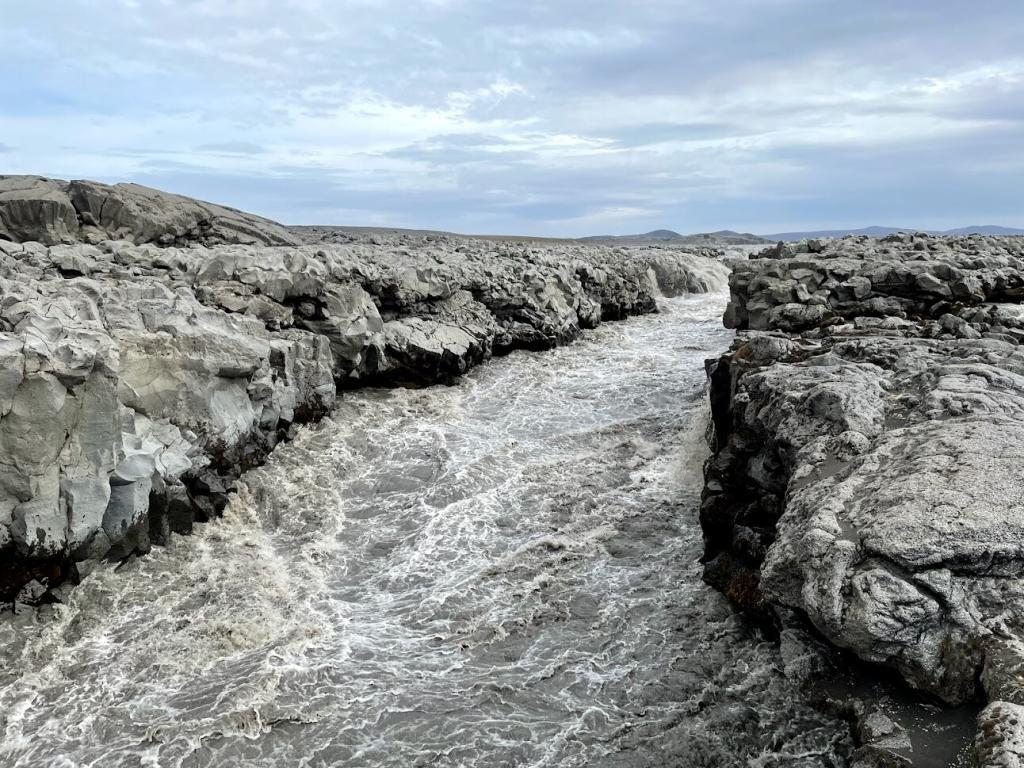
(543, 117)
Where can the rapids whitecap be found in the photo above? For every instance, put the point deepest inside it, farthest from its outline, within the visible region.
(498, 573)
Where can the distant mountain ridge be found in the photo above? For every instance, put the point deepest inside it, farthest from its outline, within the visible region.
(722, 237)
(316, 232)
(978, 229)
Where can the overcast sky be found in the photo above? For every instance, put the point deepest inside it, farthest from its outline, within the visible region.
(557, 117)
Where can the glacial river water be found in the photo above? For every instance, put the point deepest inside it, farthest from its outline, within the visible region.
(498, 573)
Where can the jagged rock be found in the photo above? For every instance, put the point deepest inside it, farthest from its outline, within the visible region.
(922, 535)
(441, 345)
(1003, 674)
(884, 743)
(868, 459)
(348, 317)
(873, 756)
(143, 370)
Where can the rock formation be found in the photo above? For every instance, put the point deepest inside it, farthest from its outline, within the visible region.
(51, 211)
(169, 345)
(868, 467)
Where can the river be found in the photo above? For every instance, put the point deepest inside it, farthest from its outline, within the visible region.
(498, 573)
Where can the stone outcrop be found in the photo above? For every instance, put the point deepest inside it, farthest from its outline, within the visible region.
(867, 471)
(51, 211)
(138, 380)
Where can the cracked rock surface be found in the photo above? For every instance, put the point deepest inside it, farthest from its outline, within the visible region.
(869, 459)
(152, 348)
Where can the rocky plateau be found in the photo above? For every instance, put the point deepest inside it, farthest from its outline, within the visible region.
(868, 465)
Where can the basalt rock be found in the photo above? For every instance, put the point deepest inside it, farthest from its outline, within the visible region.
(868, 469)
(140, 377)
(51, 211)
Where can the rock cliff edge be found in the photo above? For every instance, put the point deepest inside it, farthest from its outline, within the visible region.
(868, 467)
(153, 347)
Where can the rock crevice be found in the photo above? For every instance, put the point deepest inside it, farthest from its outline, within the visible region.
(152, 348)
(867, 468)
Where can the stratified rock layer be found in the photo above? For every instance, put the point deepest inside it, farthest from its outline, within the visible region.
(869, 458)
(137, 381)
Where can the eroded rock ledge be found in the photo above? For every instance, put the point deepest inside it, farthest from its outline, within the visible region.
(868, 466)
(139, 378)
(52, 211)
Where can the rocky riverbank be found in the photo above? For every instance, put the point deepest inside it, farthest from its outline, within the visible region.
(867, 470)
(154, 347)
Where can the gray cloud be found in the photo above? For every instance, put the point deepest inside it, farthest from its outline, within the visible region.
(645, 134)
(231, 148)
(554, 118)
(451, 150)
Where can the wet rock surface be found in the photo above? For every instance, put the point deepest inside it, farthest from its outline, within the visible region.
(140, 377)
(503, 572)
(867, 469)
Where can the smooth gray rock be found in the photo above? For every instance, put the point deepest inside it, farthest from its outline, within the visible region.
(52, 211)
(36, 208)
(86, 499)
(125, 520)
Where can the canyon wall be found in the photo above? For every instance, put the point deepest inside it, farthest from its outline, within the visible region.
(154, 347)
(868, 466)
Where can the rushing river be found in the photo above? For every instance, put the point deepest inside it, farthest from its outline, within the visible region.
(499, 573)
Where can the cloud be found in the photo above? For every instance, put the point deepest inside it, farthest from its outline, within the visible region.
(231, 148)
(538, 117)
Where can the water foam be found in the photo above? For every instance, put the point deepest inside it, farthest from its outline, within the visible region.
(499, 573)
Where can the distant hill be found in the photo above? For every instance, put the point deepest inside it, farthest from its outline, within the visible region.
(984, 229)
(330, 233)
(722, 237)
(321, 233)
